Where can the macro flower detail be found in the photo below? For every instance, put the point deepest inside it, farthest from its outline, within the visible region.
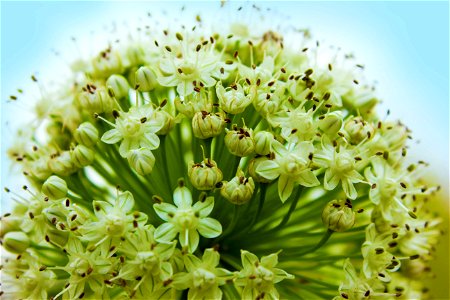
(258, 277)
(185, 160)
(186, 219)
(291, 165)
(203, 277)
(135, 129)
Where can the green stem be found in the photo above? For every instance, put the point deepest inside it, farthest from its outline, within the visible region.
(291, 208)
(207, 144)
(322, 242)
(232, 224)
(165, 163)
(262, 198)
(231, 260)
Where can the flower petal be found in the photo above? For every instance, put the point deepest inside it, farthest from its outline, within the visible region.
(189, 238)
(149, 141)
(166, 232)
(330, 180)
(268, 169)
(349, 189)
(163, 210)
(111, 136)
(209, 228)
(191, 262)
(285, 187)
(248, 259)
(125, 201)
(205, 207)
(307, 178)
(182, 197)
(210, 258)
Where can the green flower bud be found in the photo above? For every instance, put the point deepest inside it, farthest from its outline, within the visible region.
(59, 237)
(263, 142)
(82, 156)
(55, 187)
(239, 189)
(192, 104)
(141, 160)
(62, 164)
(253, 164)
(16, 242)
(204, 175)
(240, 142)
(96, 100)
(119, 85)
(167, 120)
(86, 134)
(8, 224)
(357, 129)
(338, 215)
(234, 100)
(136, 55)
(331, 123)
(146, 79)
(206, 125)
(106, 64)
(40, 168)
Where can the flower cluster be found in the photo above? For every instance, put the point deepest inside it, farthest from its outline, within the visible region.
(173, 163)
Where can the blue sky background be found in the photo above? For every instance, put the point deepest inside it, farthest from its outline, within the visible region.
(403, 45)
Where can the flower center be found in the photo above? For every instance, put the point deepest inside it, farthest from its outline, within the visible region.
(203, 278)
(115, 225)
(186, 219)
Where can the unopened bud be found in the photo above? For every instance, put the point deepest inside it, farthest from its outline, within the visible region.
(55, 187)
(239, 189)
(358, 129)
(141, 160)
(96, 101)
(62, 164)
(331, 123)
(82, 156)
(206, 125)
(86, 134)
(338, 215)
(205, 175)
(240, 142)
(253, 164)
(146, 79)
(106, 64)
(119, 85)
(263, 142)
(16, 242)
(167, 120)
(234, 100)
